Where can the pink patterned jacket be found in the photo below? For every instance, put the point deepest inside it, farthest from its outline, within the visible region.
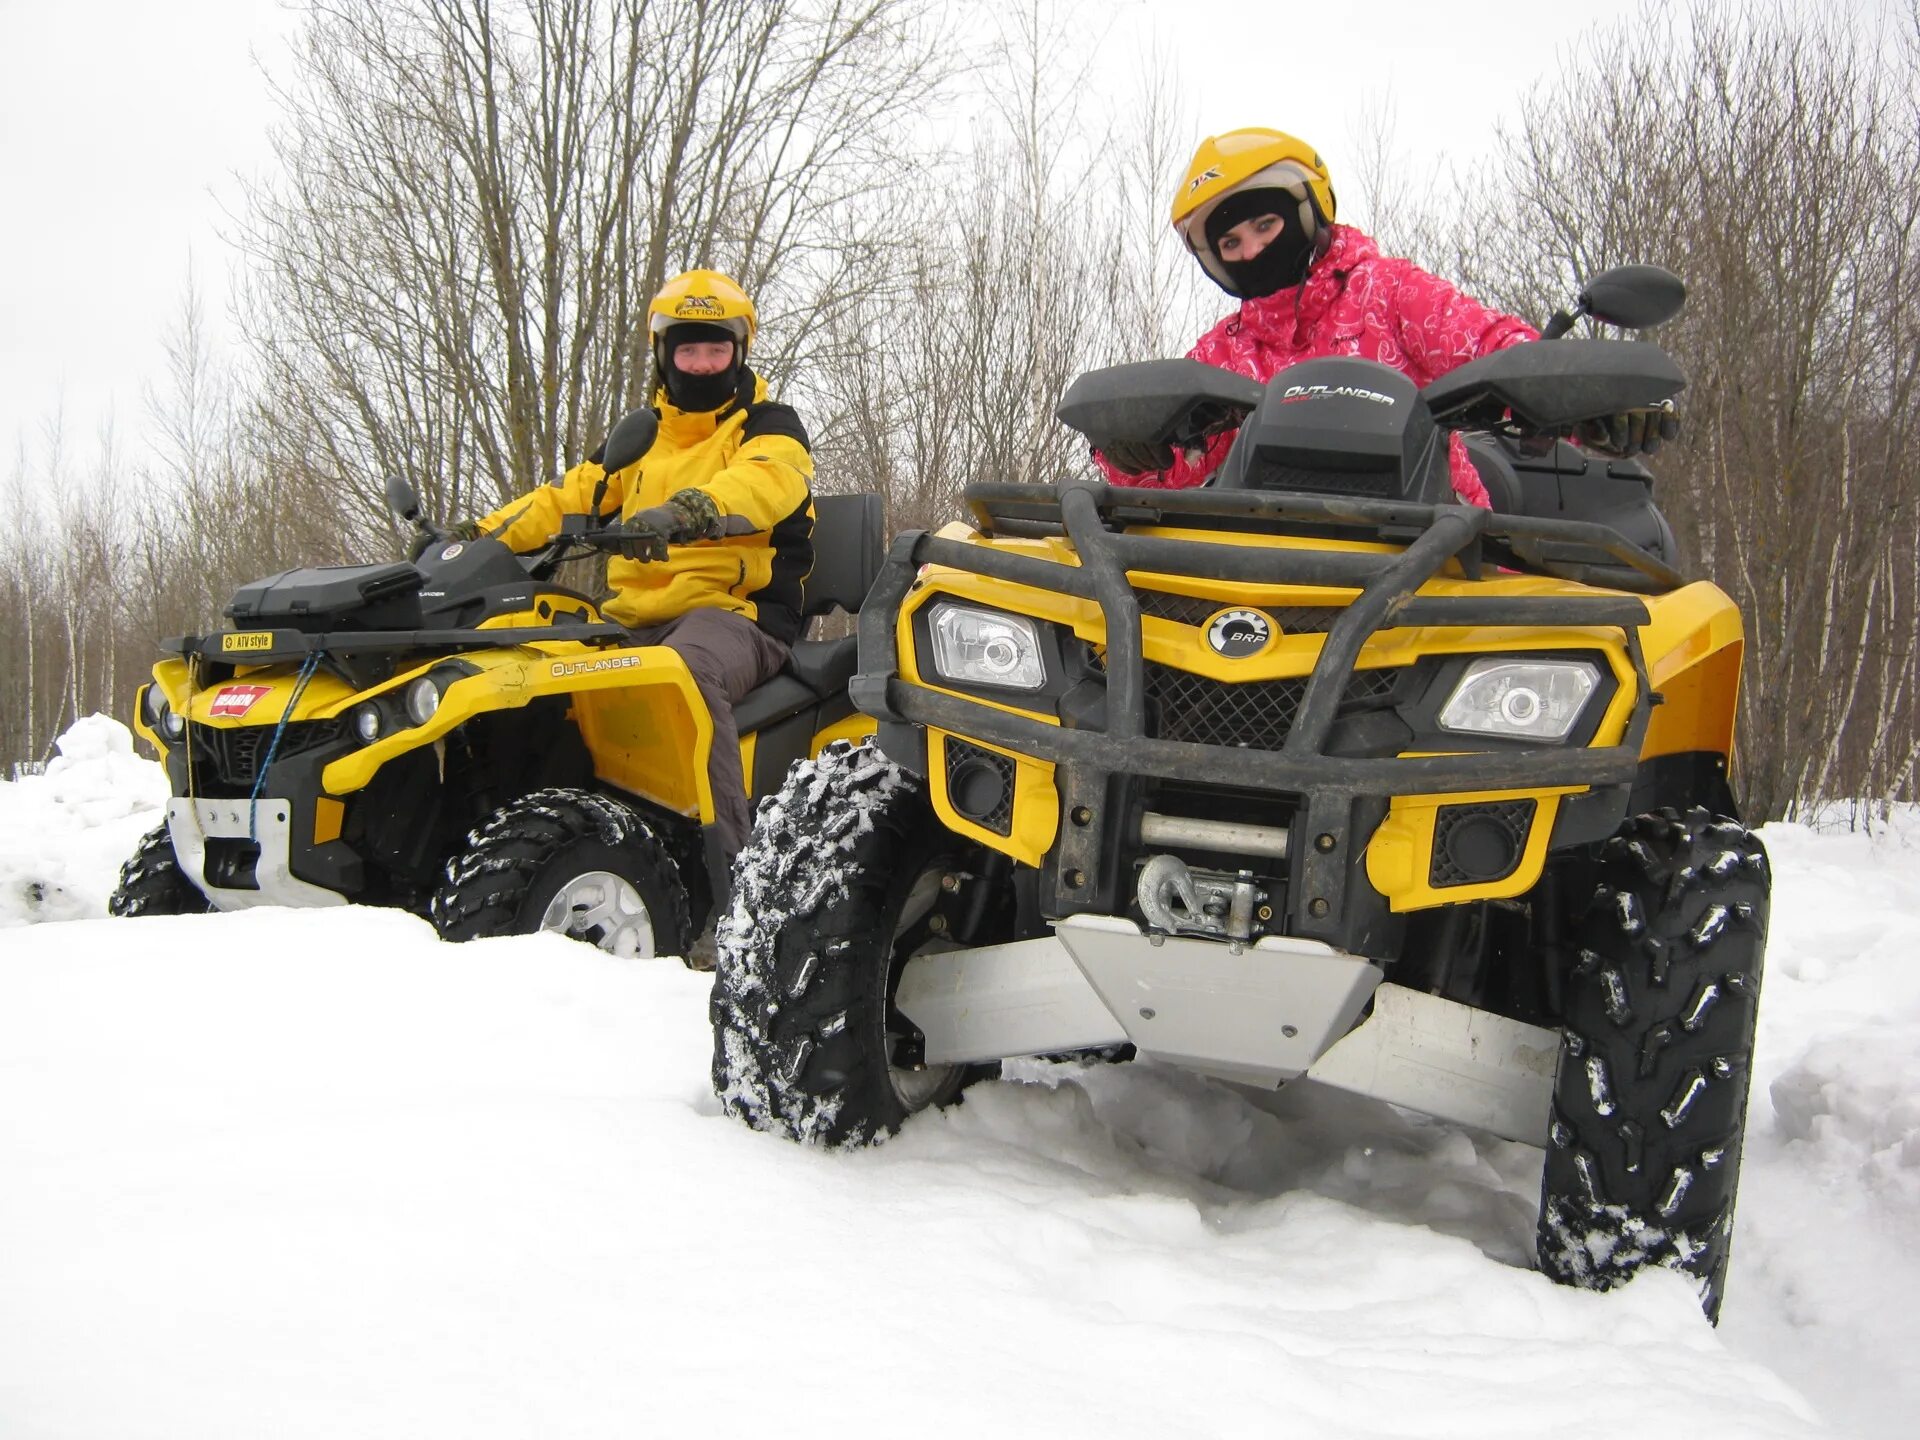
(1354, 301)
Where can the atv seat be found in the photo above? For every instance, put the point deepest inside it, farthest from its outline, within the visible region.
(849, 544)
(1569, 484)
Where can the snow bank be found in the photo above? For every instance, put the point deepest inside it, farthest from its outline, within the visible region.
(319, 1174)
(66, 833)
(331, 1177)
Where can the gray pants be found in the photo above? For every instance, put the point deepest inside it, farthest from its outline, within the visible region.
(728, 655)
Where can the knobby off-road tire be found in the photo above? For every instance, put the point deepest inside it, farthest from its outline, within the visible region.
(152, 882)
(833, 892)
(567, 860)
(1649, 1103)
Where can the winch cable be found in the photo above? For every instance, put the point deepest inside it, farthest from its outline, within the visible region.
(307, 667)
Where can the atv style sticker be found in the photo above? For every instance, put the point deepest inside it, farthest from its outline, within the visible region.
(1237, 634)
(247, 640)
(230, 702)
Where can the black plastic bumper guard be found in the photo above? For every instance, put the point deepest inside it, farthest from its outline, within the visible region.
(1329, 786)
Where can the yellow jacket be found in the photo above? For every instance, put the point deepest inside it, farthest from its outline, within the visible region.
(751, 458)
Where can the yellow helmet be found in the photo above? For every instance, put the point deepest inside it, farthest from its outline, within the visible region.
(704, 297)
(1250, 159)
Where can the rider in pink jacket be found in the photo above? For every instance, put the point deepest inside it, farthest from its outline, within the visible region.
(1257, 211)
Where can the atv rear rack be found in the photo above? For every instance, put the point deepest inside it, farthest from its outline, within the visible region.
(287, 644)
(1329, 787)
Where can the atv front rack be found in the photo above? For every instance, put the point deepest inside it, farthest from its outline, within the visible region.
(1575, 550)
(1331, 788)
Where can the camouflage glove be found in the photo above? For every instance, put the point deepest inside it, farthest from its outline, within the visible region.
(1138, 457)
(699, 517)
(1631, 432)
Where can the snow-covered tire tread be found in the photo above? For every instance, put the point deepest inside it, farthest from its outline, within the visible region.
(152, 882)
(1643, 1163)
(805, 950)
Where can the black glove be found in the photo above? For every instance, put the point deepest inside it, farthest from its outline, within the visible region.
(1631, 432)
(1138, 457)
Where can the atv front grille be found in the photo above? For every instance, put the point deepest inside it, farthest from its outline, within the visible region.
(1254, 715)
(1194, 610)
(234, 757)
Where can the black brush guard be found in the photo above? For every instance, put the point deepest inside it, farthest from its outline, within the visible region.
(1329, 787)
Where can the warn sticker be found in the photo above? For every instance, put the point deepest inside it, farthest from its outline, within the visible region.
(230, 702)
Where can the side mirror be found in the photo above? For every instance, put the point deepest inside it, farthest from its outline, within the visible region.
(631, 438)
(403, 500)
(1635, 297)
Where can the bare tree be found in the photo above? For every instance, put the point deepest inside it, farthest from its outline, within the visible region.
(1771, 159)
(477, 199)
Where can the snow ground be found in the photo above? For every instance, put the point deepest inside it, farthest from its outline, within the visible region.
(317, 1174)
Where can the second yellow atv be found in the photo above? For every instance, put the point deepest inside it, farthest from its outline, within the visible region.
(464, 738)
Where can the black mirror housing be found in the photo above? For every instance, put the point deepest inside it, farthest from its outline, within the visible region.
(630, 438)
(402, 499)
(1634, 297)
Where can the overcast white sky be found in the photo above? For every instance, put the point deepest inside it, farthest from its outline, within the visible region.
(123, 123)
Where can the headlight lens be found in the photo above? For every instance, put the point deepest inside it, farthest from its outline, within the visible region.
(985, 648)
(366, 722)
(1531, 699)
(159, 714)
(423, 698)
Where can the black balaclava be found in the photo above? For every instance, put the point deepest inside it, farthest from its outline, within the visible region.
(698, 392)
(1284, 262)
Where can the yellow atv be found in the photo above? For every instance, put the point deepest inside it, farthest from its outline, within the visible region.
(1310, 772)
(462, 737)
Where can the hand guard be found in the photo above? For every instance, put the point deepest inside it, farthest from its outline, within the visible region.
(1631, 432)
(1138, 457)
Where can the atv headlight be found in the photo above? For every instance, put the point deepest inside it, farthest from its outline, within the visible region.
(1535, 699)
(423, 698)
(366, 722)
(982, 647)
(159, 713)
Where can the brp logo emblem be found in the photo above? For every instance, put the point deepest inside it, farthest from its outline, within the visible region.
(1237, 634)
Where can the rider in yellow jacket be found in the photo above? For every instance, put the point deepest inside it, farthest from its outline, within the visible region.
(720, 512)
